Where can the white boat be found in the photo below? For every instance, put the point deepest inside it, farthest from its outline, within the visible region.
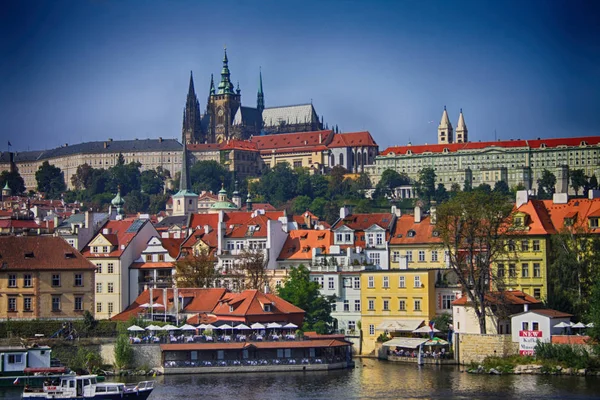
(79, 387)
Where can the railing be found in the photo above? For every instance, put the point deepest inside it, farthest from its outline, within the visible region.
(254, 363)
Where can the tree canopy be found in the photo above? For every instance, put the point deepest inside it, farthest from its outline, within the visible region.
(425, 185)
(546, 184)
(50, 180)
(196, 270)
(209, 175)
(15, 181)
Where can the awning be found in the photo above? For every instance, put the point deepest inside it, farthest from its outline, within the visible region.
(405, 342)
(400, 325)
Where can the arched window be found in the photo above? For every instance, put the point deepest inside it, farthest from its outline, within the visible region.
(341, 159)
(364, 158)
(332, 162)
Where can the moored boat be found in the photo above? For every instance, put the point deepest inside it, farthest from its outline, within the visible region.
(87, 387)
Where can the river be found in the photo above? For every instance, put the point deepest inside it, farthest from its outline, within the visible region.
(371, 379)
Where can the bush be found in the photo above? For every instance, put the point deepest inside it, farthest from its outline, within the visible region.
(383, 338)
(564, 354)
(48, 328)
(123, 352)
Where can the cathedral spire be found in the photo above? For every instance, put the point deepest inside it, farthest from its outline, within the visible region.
(191, 130)
(212, 85)
(225, 86)
(462, 133)
(191, 91)
(445, 129)
(260, 97)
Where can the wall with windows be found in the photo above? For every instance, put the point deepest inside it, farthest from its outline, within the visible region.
(417, 256)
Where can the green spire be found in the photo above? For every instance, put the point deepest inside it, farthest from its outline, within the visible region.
(225, 86)
(212, 85)
(118, 202)
(260, 97)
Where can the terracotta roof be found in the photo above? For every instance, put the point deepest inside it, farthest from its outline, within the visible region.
(407, 231)
(469, 146)
(152, 265)
(254, 227)
(40, 253)
(199, 220)
(234, 144)
(360, 222)
(299, 244)
(19, 223)
(258, 345)
(259, 206)
(172, 245)
(513, 297)
(298, 141)
(552, 313)
(250, 303)
(584, 208)
(352, 139)
(121, 234)
(539, 222)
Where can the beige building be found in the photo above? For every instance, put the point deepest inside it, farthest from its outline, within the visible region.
(43, 277)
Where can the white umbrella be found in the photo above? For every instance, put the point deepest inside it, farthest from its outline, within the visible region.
(426, 329)
(290, 326)
(209, 326)
(273, 325)
(225, 326)
(153, 328)
(157, 305)
(145, 305)
(135, 328)
(170, 327)
(257, 325)
(187, 327)
(562, 325)
(579, 325)
(201, 326)
(242, 327)
(590, 325)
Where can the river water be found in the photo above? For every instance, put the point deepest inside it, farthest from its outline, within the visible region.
(371, 379)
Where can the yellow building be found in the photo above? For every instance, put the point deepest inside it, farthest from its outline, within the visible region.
(395, 301)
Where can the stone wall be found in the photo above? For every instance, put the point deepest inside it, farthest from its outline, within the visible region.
(475, 347)
(144, 355)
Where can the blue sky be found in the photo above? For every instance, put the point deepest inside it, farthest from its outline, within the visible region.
(87, 70)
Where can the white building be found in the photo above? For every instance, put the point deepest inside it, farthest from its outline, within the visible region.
(542, 320)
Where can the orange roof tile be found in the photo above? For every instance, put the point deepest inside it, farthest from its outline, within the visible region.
(352, 139)
(513, 297)
(552, 313)
(172, 245)
(299, 244)
(407, 231)
(360, 222)
(152, 265)
(119, 237)
(298, 141)
(585, 208)
(539, 222)
(249, 303)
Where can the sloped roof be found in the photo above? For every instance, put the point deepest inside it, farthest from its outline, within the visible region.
(40, 253)
(296, 141)
(121, 234)
(234, 144)
(295, 114)
(247, 116)
(584, 208)
(512, 297)
(249, 303)
(407, 231)
(360, 222)
(299, 244)
(352, 139)
(259, 224)
(550, 313)
(204, 147)
(539, 222)
(172, 245)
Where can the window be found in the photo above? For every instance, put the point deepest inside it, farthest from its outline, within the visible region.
(537, 271)
(417, 281)
(371, 283)
(148, 257)
(56, 280)
(386, 305)
(500, 270)
(402, 305)
(395, 256)
(374, 257)
(267, 308)
(94, 249)
(371, 329)
(356, 305)
(447, 300)
(409, 255)
(346, 305)
(12, 280)
(339, 237)
(98, 268)
(434, 255)
(98, 307)
(27, 304)
(110, 307)
(525, 245)
(379, 239)
(78, 303)
(536, 245)
(371, 305)
(356, 282)
(27, 280)
(111, 268)
(386, 281)
(105, 249)
(331, 283)
(525, 326)
(110, 287)
(421, 255)
(55, 303)
(512, 270)
(351, 325)
(593, 222)
(12, 304)
(348, 237)
(417, 305)
(347, 282)
(537, 293)
(511, 245)
(535, 326)
(525, 270)
(78, 280)
(333, 307)
(99, 287)
(15, 358)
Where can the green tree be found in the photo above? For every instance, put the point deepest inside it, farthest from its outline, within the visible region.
(304, 293)
(301, 204)
(82, 177)
(390, 180)
(320, 185)
(158, 203)
(501, 187)
(578, 180)
(151, 182)
(278, 185)
(209, 176)
(98, 182)
(468, 184)
(317, 206)
(594, 315)
(254, 266)
(546, 185)
(136, 201)
(304, 184)
(425, 185)
(363, 182)
(15, 181)
(338, 184)
(484, 187)
(441, 194)
(123, 352)
(593, 182)
(50, 180)
(196, 270)
(454, 190)
(472, 227)
(125, 176)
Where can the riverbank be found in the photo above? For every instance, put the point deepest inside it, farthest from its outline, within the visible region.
(533, 369)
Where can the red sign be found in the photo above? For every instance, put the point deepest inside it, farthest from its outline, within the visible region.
(528, 341)
(534, 334)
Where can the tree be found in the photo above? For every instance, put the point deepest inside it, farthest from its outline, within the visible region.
(158, 203)
(501, 187)
(151, 182)
(304, 184)
(136, 201)
(125, 176)
(425, 185)
(484, 187)
(454, 190)
(338, 184)
(319, 185)
(304, 293)
(82, 177)
(252, 262)
(546, 185)
(468, 185)
(390, 180)
(578, 180)
(594, 314)
(209, 176)
(50, 180)
(593, 182)
(196, 270)
(123, 352)
(278, 185)
(301, 204)
(15, 181)
(473, 230)
(441, 194)
(363, 182)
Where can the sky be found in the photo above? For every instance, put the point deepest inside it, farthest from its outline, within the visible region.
(88, 70)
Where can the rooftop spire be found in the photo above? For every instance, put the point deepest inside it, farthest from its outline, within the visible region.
(212, 85)
(461, 122)
(225, 86)
(260, 97)
(462, 133)
(445, 121)
(191, 90)
(191, 130)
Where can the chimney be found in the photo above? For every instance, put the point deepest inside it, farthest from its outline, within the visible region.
(106, 231)
(525, 307)
(396, 211)
(88, 220)
(560, 198)
(562, 179)
(105, 145)
(266, 288)
(160, 139)
(522, 197)
(417, 214)
(433, 213)
(207, 229)
(307, 220)
(320, 138)
(345, 211)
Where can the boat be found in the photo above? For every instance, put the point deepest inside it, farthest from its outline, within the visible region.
(79, 387)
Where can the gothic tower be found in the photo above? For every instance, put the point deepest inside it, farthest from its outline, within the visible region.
(445, 129)
(192, 128)
(462, 133)
(222, 105)
(260, 97)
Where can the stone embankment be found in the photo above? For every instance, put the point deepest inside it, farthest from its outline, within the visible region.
(534, 369)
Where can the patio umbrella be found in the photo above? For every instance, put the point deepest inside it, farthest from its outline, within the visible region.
(435, 342)
(154, 328)
(590, 325)
(242, 327)
(170, 327)
(562, 325)
(257, 325)
(426, 329)
(201, 326)
(579, 325)
(145, 305)
(187, 327)
(290, 326)
(273, 325)
(225, 326)
(210, 326)
(135, 328)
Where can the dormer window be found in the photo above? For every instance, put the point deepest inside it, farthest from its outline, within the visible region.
(267, 308)
(411, 233)
(230, 308)
(29, 254)
(594, 222)
(94, 249)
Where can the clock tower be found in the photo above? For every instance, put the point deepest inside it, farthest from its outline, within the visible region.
(222, 105)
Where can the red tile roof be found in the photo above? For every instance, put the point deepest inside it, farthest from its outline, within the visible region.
(249, 303)
(259, 224)
(118, 237)
(584, 209)
(454, 147)
(301, 141)
(234, 144)
(19, 224)
(360, 222)
(40, 253)
(552, 313)
(258, 345)
(352, 139)
(259, 206)
(512, 297)
(407, 231)
(539, 221)
(172, 245)
(299, 244)
(152, 265)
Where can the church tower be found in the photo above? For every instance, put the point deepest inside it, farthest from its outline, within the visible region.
(462, 133)
(185, 201)
(260, 96)
(445, 129)
(223, 104)
(192, 128)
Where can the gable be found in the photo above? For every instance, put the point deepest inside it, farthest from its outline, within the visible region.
(343, 229)
(99, 241)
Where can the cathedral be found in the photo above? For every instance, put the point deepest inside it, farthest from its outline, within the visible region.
(225, 118)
